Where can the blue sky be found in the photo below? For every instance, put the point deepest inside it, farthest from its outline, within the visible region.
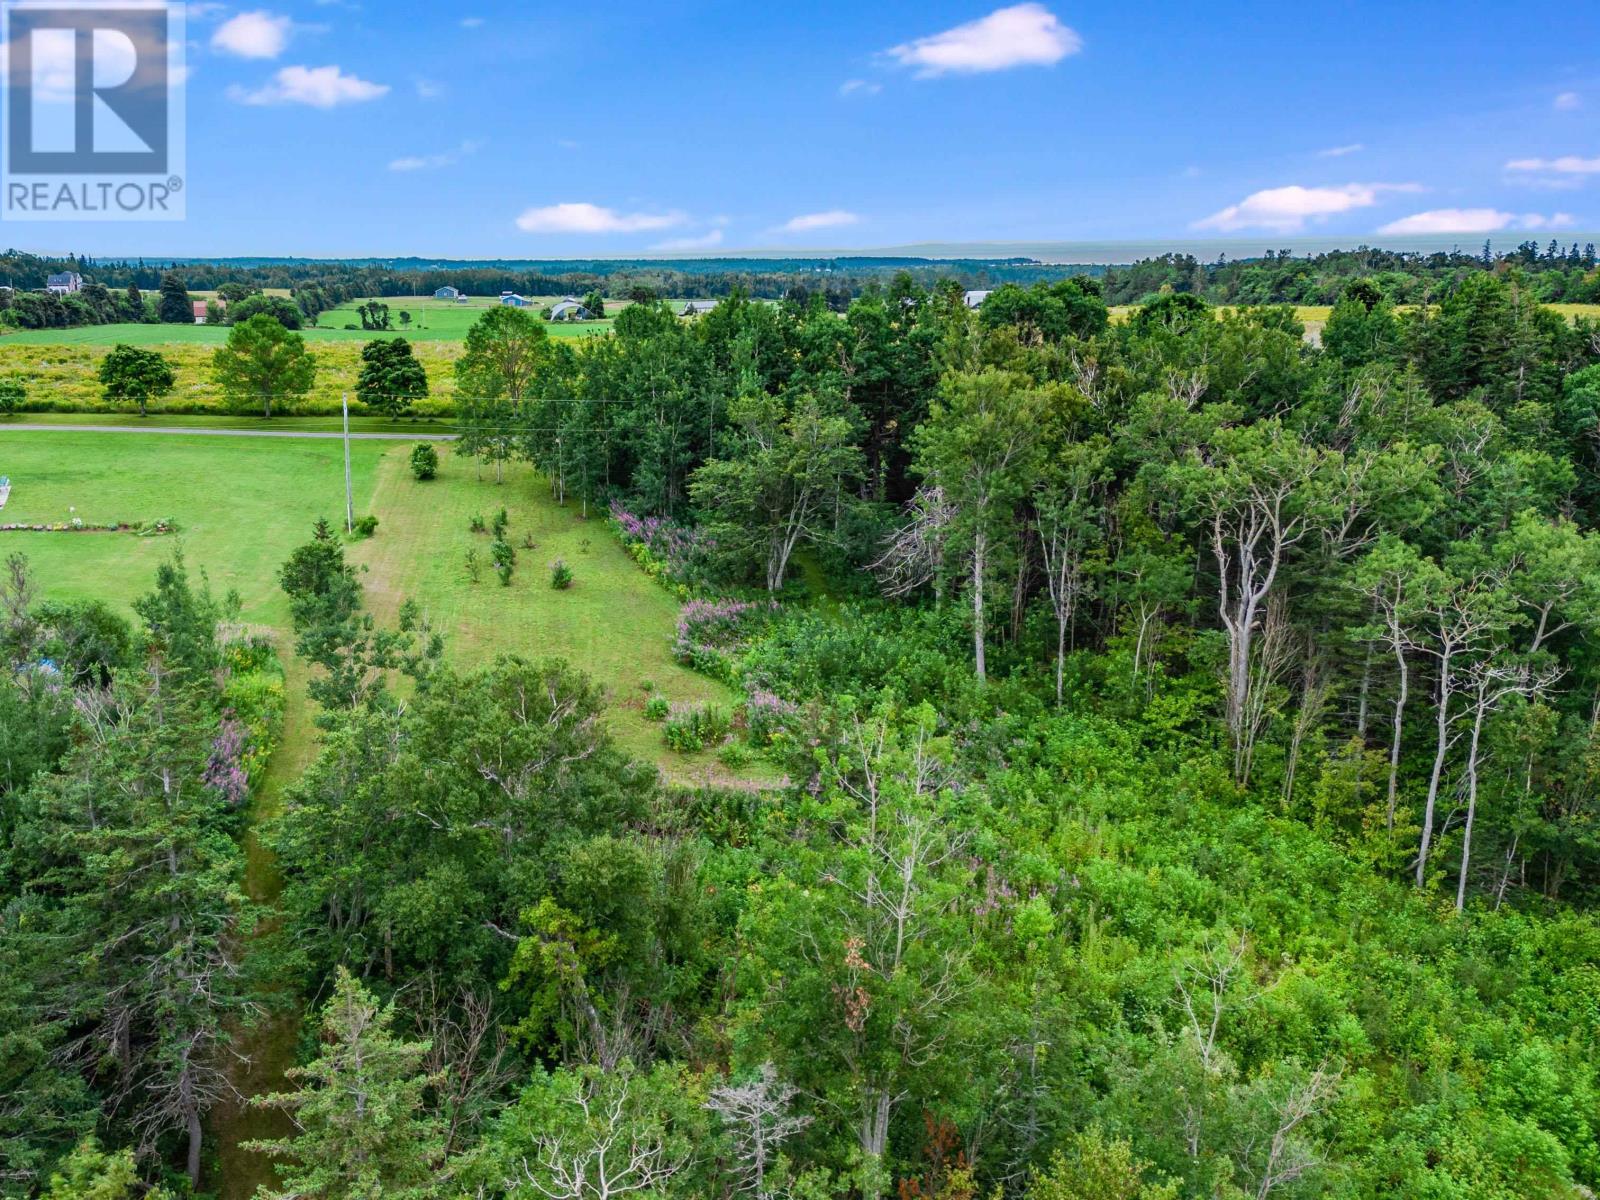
(517, 129)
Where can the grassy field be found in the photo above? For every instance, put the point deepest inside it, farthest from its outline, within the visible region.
(431, 321)
(447, 320)
(64, 376)
(244, 503)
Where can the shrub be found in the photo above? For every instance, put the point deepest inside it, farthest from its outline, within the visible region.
(656, 708)
(477, 524)
(710, 632)
(560, 575)
(734, 756)
(767, 715)
(527, 541)
(12, 396)
(665, 549)
(424, 461)
(500, 524)
(474, 564)
(504, 558)
(366, 526)
(690, 730)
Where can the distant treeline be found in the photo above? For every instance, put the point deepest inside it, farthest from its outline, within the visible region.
(839, 279)
(1560, 274)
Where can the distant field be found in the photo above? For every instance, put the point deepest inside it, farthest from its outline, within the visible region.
(448, 320)
(431, 320)
(63, 376)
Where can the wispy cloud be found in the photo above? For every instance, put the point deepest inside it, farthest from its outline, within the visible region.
(1024, 35)
(1567, 102)
(317, 87)
(592, 218)
(833, 218)
(1567, 164)
(859, 87)
(1341, 151)
(1474, 220)
(704, 241)
(258, 34)
(472, 22)
(1287, 209)
(428, 89)
(434, 162)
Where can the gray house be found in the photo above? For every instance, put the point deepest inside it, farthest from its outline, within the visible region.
(697, 308)
(975, 299)
(447, 293)
(570, 310)
(512, 300)
(65, 283)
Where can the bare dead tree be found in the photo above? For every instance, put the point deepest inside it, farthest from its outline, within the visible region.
(914, 555)
(467, 1051)
(1204, 994)
(614, 1155)
(759, 1118)
(1289, 1156)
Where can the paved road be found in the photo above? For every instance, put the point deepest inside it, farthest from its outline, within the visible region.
(267, 433)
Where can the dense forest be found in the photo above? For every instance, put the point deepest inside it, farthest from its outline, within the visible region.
(1191, 754)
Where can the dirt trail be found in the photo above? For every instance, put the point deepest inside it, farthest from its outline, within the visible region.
(268, 1047)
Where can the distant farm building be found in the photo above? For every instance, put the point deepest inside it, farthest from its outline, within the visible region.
(201, 308)
(512, 300)
(447, 293)
(974, 299)
(697, 308)
(570, 310)
(65, 283)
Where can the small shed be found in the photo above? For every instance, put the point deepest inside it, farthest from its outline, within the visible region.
(447, 293)
(201, 309)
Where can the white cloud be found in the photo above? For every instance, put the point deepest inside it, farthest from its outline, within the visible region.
(1023, 35)
(472, 22)
(859, 87)
(433, 162)
(806, 222)
(1287, 209)
(1474, 220)
(319, 87)
(428, 89)
(1568, 102)
(705, 241)
(253, 35)
(1567, 164)
(591, 218)
(1341, 151)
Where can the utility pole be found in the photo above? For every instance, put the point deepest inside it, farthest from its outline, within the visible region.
(349, 496)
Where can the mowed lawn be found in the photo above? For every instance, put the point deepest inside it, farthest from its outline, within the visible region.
(614, 622)
(243, 504)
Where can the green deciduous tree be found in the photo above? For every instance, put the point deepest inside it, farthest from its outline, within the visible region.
(262, 363)
(782, 482)
(979, 447)
(134, 376)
